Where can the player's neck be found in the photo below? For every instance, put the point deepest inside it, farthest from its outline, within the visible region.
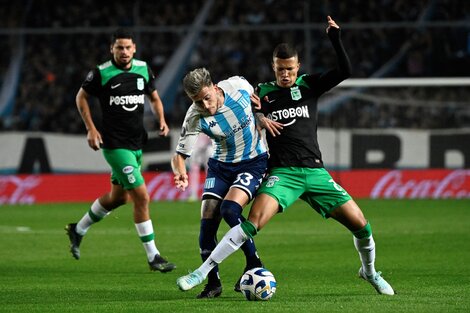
(220, 97)
(121, 66)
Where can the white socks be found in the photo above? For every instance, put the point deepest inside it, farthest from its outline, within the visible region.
(145, 231)
(366, 249)
(231, 242)
(95, 214)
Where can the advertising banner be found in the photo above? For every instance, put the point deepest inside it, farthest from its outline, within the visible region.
(375, 184)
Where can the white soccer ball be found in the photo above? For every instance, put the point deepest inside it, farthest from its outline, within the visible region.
(258, 284)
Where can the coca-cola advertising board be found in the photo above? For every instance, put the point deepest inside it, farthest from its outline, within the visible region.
(406, 184)
(375, 184)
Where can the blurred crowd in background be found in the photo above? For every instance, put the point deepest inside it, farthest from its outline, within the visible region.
(55, 44)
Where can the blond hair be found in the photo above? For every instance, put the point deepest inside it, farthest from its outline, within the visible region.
(195, 80)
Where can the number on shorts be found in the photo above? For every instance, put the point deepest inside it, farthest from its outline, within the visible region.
(337, 187)
(244, 179)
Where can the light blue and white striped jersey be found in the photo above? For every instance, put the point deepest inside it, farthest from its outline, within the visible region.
(232, 128)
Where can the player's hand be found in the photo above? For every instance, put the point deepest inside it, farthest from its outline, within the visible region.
(164, 129)
(271, 126)
(255, 102)
(331, 23)
(181, 181)
(94, 139)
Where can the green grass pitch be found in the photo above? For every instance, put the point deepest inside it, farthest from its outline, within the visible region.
(423, 250)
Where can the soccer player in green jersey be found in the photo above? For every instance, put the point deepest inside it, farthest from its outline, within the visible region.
(121, 85)
(289, 114)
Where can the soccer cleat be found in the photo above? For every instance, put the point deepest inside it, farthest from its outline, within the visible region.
(160, 264)
(378, 283)
(210, 291)
(190, 281)
(75, 240)
(237, 284)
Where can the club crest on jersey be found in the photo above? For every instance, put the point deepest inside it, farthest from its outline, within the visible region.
(295, 93)
(140, 83)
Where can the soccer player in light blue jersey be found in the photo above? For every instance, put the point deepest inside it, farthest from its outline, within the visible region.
(296, 169)
(235, 170)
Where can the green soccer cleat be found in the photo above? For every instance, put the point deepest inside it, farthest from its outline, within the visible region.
(160, 264)
(75, 240)
(190, 281)
(378, 283)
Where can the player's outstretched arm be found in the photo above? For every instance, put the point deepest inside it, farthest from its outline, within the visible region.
(343, 69)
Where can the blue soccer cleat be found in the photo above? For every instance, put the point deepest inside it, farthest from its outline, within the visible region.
(190, 281)
(378, 283)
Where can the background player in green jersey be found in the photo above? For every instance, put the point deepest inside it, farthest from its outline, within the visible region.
(121, 85)
(289, 107)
